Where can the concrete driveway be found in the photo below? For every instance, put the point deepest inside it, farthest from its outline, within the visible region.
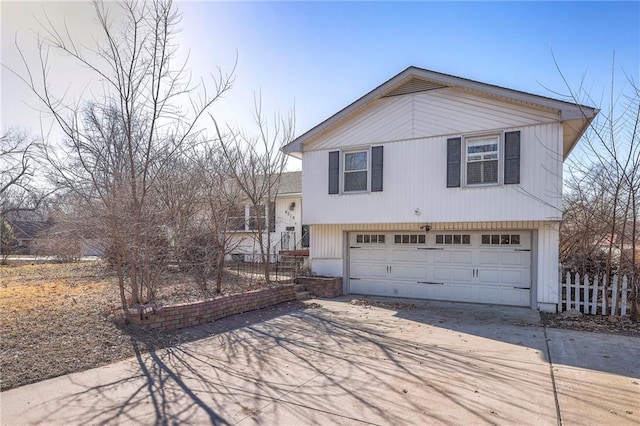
(339, 363)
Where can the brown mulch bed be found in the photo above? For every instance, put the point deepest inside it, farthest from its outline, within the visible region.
(62, 318)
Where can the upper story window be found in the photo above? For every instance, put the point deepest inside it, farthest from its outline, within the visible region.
(356, 165)
(482, 160)
(356, 170)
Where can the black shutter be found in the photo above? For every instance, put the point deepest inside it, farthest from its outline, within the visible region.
(377, 160)
(511, 158)
(334, 172)
(454, 156)
(305, 236)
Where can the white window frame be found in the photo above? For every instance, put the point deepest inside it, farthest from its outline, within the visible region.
(343, 170)
(499, 142)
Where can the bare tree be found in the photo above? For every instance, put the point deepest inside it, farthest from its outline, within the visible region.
(117, 143)
(601, 210)
(256, 163)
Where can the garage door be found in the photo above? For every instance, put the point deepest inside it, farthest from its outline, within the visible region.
(480, 267)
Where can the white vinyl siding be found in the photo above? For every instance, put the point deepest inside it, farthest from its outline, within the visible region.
(415, 178)
(436, 112)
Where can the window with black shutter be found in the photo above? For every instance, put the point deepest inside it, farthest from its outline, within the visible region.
(511, 158)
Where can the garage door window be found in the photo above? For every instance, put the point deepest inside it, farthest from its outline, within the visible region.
(370, 238)
(454, 239)
(500, 239)
(409, 239)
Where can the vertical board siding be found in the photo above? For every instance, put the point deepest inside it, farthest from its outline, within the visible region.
(415, 174)
(547, 267)
(426, 114)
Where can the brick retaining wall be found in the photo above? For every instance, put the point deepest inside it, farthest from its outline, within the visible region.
(322, 286)
(187, 315)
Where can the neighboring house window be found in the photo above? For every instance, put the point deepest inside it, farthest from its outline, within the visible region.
(482, 160)
(356, 165)
(237, 218)
(245, 218)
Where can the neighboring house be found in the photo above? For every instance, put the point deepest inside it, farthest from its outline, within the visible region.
(283, 220)
(25, 233)
(439, 187)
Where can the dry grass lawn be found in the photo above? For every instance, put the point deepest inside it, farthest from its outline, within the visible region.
(61, 318)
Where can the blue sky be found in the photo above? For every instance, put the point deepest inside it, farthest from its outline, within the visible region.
(320, 56)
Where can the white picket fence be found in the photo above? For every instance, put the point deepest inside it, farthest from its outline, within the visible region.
(593, 295)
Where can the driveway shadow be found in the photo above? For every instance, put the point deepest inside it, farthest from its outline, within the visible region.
(326, 362)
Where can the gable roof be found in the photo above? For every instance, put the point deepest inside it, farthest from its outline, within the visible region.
(575, 117)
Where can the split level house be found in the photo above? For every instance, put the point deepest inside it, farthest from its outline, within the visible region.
(439, 187)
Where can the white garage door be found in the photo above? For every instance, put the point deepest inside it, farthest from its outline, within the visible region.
(482, 267)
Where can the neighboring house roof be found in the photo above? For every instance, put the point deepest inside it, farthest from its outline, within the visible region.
(26, 229)
(575, 117)
(290, 183)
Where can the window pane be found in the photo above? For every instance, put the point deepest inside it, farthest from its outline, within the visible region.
(480, 146)
(405, 239)
(381, 239)
(466, 239)
(374, 239)
(457, 239)
(448, 239)
(421, 239)
(358, 238)
(355, 161)
(474, 173)
(495, 239)
(490, 171)
(515, 239)
(367, 240)
(504, 239)
(355, 181)
(397, 239)
(439, 239)
(414, 239)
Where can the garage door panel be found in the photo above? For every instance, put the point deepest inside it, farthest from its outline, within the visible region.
(442, 274)
(463, 275)
(462, 292)
(418, 256)
(489, 258)
(418, 272)
(515, 277)
(514, 296)
(442, 257)
(486, 273)
(488, 294)
(515, 258)
(400, 272)
(365, 254)
(463, 257)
